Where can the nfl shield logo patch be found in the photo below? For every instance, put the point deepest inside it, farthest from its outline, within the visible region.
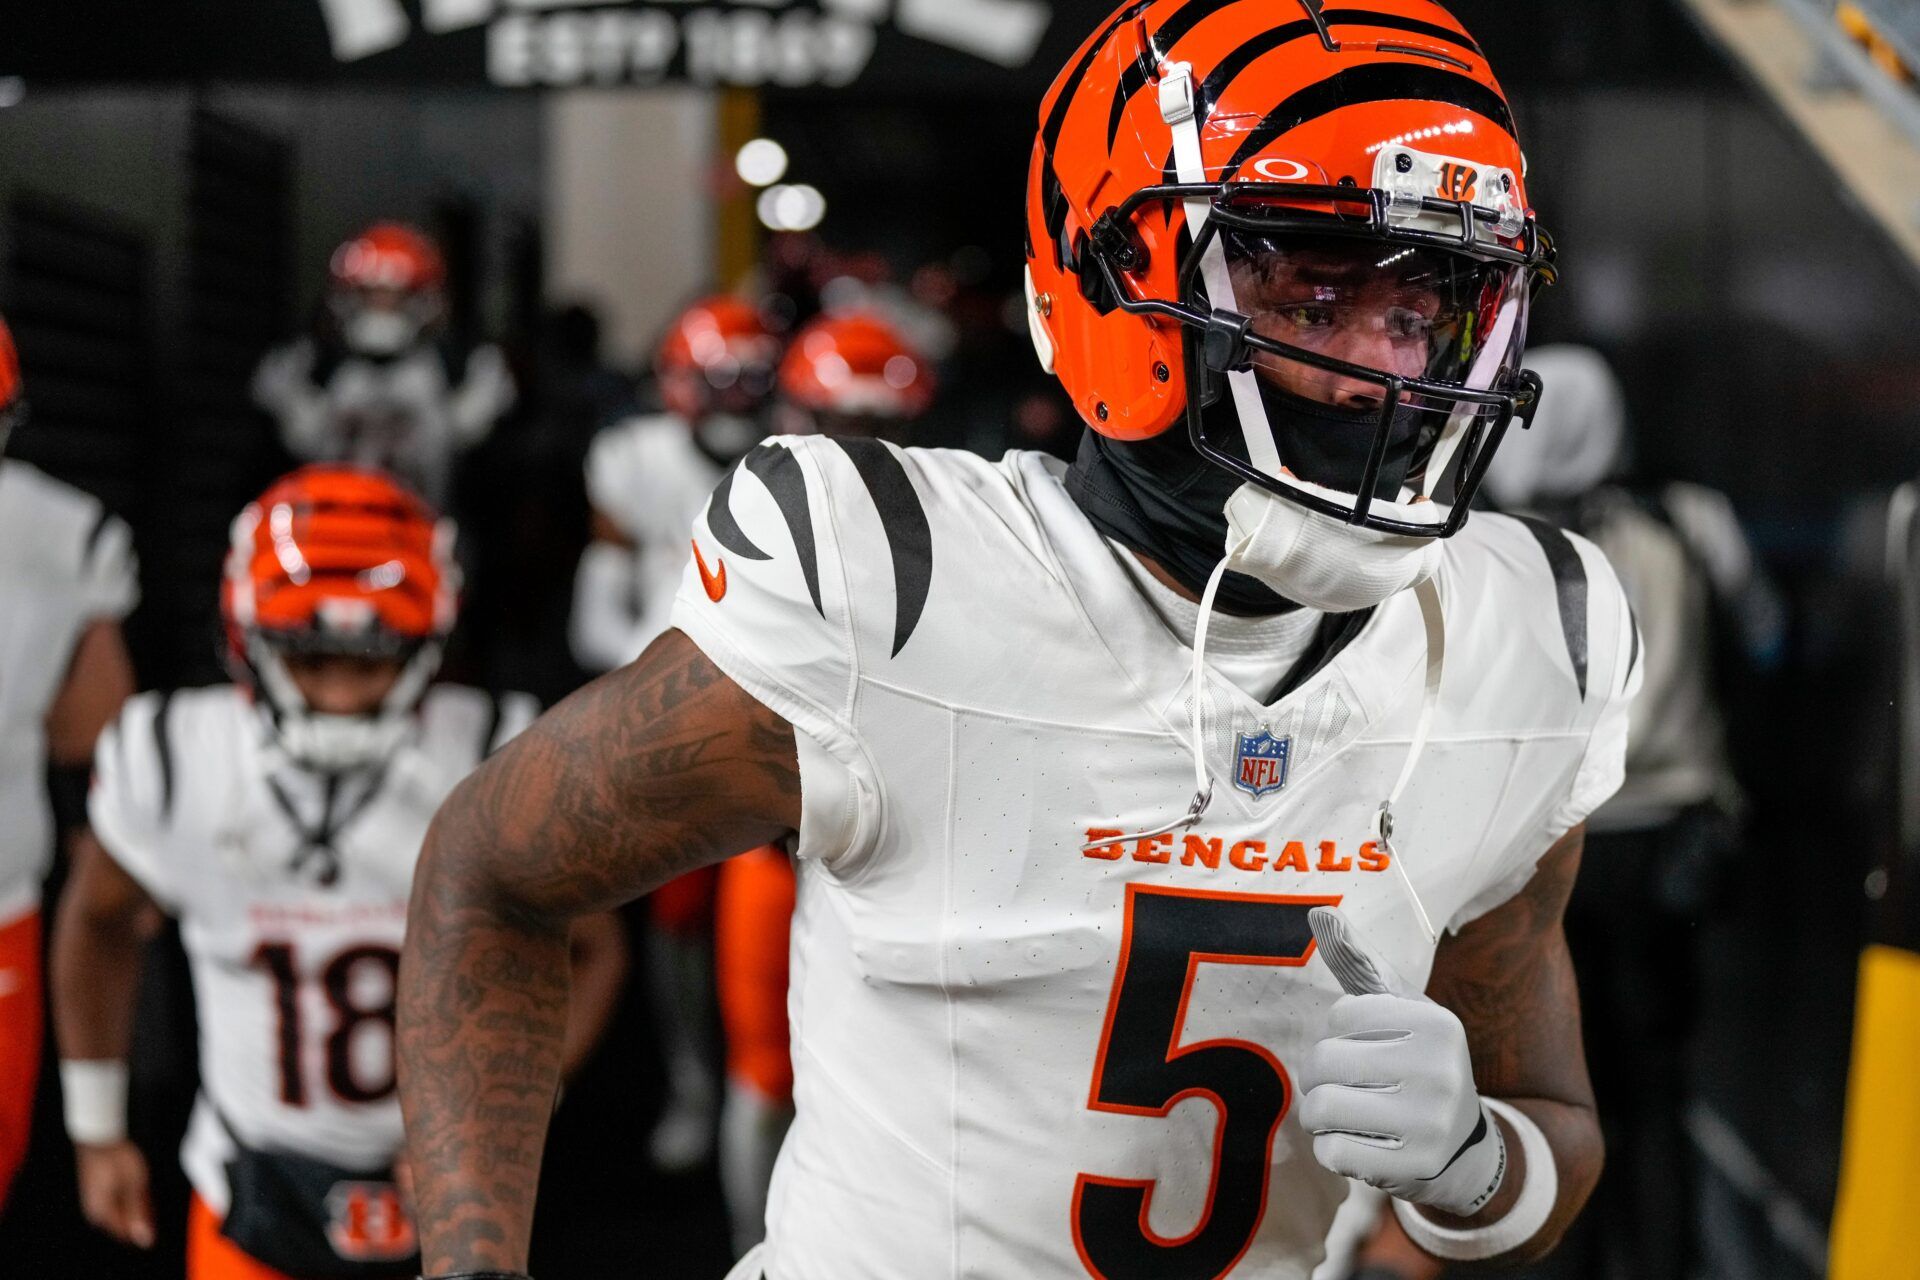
(1260, 763)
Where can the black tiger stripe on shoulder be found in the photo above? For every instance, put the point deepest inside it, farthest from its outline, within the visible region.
(92, 544)
(780, 471)
(909, 534)
(903, 519)
(1570, 591)
(163, 752)
(726, 530)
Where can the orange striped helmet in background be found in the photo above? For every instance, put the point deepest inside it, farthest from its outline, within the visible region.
(855, 374)
(718, 356)
(1281, 221)
(338, 561)
(388, 288)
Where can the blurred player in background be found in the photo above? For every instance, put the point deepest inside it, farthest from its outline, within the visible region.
(647, 479)
(380, 382)
(278, 819)
(67, 579)
(851, 377)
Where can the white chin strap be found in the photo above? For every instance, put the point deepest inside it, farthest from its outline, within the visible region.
(380, 332)
(1176, 108)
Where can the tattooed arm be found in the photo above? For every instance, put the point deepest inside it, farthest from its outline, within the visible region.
(652, 770)
(1508, 978)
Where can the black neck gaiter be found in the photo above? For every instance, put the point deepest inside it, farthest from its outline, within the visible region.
(1159, 497)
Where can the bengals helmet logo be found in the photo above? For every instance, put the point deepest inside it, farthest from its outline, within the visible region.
(366, 1222)
(1457, 182)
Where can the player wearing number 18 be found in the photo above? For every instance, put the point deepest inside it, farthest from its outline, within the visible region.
(1176, 832)
(279, 819)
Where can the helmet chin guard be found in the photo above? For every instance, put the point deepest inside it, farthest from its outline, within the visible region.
(332, 743)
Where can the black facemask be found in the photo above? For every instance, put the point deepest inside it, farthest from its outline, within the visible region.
(1319, 443)
(1161, 498)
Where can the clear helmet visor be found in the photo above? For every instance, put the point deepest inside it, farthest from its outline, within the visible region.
(1371, 372)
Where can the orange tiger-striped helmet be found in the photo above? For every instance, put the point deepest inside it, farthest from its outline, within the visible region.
(718, 356)
(1220, 187)
(389, 255)
(341, 561)
(858, 366)
(388, 288)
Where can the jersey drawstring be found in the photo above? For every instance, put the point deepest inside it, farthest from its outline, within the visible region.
(319, 843)
(1434, 621)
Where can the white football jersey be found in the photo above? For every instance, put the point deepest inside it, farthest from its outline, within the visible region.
(1023, 1044)
(293, 940)
(650, 479)
(410, 415)
(64, 564)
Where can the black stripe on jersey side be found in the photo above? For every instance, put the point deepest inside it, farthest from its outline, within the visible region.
(1633, 653)
(726, 530)
(163, 749)
(909, 535)
(780, 471)
(1570, 587)
(492, 731)
(1373, 82)
(94, 534)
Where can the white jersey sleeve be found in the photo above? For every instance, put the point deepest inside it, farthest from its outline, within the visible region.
(616, 477)
(767, 597)
(109, 575)
(1594, 675)
(131, 801)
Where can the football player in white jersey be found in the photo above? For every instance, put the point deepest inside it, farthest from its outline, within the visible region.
(67, 578)
(279, 819)
(1179, 836)
(380, 382)
(647, 478)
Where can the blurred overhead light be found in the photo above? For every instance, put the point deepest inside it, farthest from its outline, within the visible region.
(761, 162)
(792, 208)
(13, 91)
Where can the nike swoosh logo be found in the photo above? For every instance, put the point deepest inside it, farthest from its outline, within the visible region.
(715, 583)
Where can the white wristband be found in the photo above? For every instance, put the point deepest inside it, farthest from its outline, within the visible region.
(1521, 1223)
(95, 1095)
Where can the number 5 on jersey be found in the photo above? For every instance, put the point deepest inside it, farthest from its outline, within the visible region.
(1143, 1070)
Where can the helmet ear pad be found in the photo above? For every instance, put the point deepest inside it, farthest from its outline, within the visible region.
(1125, 373)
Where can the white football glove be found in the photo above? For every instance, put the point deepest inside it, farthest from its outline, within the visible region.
(1388, 1094)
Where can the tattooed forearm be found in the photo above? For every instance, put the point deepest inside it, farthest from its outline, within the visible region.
(648, 772)
(1509, 978)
